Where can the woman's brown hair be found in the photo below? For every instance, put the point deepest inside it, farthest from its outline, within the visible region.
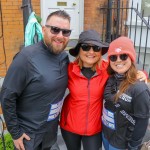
(130, 79)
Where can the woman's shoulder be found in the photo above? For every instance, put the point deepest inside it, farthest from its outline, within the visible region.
(72, 64)
(104, 63)
(73, 67)
(139, 87)
(141, 100)
(139, 84)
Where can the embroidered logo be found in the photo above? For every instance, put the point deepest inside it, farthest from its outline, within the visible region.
(125, 97)
(118, 50)
(128, 117)
(125, 114)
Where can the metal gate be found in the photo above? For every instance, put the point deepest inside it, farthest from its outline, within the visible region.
(122, 20)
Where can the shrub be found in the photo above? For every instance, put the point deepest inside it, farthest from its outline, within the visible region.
(8, 142)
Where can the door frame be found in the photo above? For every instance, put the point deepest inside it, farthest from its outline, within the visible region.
(81, 14)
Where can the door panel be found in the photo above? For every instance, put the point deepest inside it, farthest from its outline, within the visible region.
(70, 6)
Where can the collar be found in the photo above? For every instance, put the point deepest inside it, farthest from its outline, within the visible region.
(119, 76)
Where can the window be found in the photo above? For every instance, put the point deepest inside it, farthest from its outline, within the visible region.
(146, 6)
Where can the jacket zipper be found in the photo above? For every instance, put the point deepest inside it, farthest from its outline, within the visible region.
(88, 105)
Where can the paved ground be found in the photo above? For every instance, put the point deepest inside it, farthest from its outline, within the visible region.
(62, 145)
(60, 142)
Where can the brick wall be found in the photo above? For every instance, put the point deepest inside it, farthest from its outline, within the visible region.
(12, 30)
(92, 15)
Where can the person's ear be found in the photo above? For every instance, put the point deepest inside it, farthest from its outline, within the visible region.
(43, 30)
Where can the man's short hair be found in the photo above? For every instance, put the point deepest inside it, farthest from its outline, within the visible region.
(59, 13)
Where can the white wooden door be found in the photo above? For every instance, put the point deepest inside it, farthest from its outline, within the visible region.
(70, 6)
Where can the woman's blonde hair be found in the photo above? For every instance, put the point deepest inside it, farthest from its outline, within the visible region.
(130, 79)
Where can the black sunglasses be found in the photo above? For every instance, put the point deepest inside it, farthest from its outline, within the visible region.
(56, 30)
(86, 47)
(123, 57)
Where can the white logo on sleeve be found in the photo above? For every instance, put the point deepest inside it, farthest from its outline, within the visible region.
(55, 110)
(125, 97)
(108, 119)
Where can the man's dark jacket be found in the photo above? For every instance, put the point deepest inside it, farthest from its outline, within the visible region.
(35, 81)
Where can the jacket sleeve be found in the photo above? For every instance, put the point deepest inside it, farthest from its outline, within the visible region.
(14, 83)
(141, 107)
(138, 134)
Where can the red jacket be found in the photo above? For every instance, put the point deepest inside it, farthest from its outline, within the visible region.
(82, 108)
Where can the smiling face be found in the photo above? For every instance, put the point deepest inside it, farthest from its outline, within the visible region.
(121, 66)
(56, 42)
(89, 58)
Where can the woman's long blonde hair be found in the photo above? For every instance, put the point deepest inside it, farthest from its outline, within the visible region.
(130, 79)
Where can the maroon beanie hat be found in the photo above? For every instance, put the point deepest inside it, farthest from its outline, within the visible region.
(122, 45)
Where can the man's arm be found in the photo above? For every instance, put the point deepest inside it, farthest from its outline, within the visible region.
(14, 83)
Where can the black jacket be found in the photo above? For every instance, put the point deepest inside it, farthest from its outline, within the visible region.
(35, 80)
(123, 119)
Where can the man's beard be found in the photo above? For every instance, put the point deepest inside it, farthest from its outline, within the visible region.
(56, 50)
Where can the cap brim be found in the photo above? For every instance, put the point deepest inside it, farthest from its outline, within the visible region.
(74, 51)
(104, 50)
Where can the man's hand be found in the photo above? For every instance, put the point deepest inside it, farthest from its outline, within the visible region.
(19, 142)
(141, 76)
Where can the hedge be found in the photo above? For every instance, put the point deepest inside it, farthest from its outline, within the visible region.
(8, 142)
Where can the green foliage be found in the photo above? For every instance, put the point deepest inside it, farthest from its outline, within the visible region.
(39, 19)
(8, 142)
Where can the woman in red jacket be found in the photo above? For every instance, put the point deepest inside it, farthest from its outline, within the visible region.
(82, 108)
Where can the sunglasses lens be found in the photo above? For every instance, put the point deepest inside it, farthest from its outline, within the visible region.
(123, 56)
(54, 30)
(96, 48)
(113, 58)
(66, 32)
(85, 47)
(88, 47)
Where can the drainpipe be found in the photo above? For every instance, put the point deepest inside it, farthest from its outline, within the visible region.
(27, 10)
(109, 20)
(118, 18)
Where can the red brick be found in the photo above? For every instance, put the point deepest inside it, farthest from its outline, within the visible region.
(13, 30)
